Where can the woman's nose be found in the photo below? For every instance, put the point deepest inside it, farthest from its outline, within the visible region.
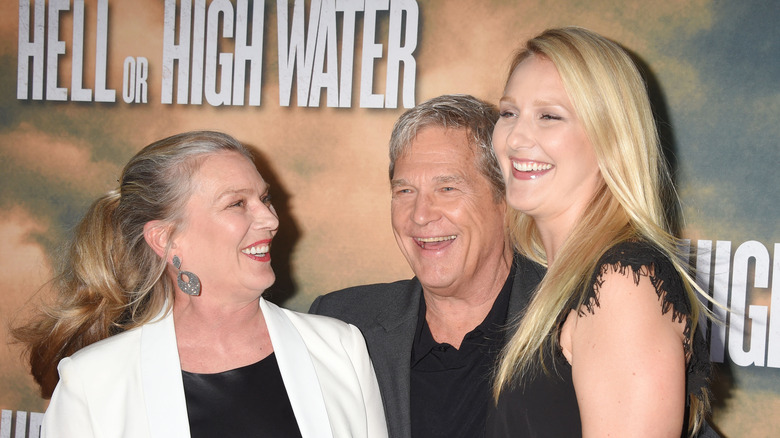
(520, 135)
(265, 217)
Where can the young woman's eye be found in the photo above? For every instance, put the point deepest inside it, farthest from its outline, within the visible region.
(548, 116)
(505, 114)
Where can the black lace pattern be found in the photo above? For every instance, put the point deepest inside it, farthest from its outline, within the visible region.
(646, 260)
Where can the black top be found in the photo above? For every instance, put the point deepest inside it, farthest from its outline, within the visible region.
(451, 388)
(544, 404)
(244, 402)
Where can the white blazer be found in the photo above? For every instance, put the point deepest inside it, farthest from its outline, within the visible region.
(130, 384)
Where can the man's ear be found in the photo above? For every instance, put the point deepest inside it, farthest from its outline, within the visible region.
(156, 235)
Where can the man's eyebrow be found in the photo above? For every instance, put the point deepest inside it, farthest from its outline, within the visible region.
(443, 179)
(398, 182)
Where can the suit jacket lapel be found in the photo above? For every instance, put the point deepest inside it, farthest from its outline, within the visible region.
(390, 341)
(298, 373)
(166, 407)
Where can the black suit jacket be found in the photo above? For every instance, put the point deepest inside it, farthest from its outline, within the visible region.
(387, 316)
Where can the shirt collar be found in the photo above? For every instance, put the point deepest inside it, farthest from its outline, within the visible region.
(494, 322)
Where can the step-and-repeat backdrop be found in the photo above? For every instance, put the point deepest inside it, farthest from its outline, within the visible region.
(313, 87)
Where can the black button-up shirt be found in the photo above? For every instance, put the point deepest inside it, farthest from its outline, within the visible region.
(450, 387)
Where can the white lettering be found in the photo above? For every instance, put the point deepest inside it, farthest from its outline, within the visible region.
(30, 49)
(134, 87)
(720, 293)
(326, 48)
(198, 51)
(221, 97)
(294, 55)
(46, 43)
(220, 76)
(5, 423)
(176, 52)
(141, 76)
(350, 9)
(78, 93)
(398, 53)
(703, 260)
(758, 314)
(128, 80)
(102, 94)
(252, 53)
(21, 426)
(773, 353)
(751, 340)
(371, 51)
(314, 57)
(55, 48)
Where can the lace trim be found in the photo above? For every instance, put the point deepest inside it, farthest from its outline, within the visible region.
(646, 260)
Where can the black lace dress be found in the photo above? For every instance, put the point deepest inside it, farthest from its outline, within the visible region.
(545, 404)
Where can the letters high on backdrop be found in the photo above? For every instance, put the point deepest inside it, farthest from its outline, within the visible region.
(196, 63)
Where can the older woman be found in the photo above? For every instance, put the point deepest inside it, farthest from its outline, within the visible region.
(608, 345)
(160, 328)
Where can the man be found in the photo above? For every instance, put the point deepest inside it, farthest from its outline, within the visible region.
(434, 339)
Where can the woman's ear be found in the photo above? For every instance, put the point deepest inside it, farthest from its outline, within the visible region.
(156, 235)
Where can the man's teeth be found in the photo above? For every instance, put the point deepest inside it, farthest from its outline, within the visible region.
(256, 250)
(531, 167)
(434, 239)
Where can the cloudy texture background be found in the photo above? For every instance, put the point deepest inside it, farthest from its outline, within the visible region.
(713, 68)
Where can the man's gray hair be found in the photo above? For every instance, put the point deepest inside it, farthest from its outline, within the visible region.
(453, 111)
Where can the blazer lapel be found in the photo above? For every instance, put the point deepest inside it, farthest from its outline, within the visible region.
(390, 344)
(298, 373)
(166, 407)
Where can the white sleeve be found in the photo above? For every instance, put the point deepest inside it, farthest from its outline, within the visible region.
(68, 414)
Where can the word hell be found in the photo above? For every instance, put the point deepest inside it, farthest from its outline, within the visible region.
(311, 56)
(40, 38)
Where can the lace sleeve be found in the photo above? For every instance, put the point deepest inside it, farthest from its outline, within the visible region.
(646, 260)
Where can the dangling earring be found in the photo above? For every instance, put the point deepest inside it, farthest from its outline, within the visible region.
(192, 285)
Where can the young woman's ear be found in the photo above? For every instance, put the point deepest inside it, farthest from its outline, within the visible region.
(156, 235)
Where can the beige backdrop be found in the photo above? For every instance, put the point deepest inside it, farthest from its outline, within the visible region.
(712, 65)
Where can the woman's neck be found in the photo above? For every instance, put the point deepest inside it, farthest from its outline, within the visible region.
(215, 337)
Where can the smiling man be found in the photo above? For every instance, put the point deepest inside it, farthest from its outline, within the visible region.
(434, 339)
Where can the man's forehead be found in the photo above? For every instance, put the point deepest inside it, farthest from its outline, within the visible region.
(459, 133)
(439, 140)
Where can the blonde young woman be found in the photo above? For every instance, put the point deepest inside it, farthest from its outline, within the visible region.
(609, 344)
(160, 328)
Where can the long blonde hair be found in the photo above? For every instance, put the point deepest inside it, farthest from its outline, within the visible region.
(609, 96)
(109, 279)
